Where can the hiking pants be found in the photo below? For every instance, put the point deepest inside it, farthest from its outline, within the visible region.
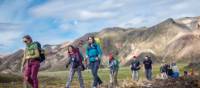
(148, 73)
(113, 77)
(94, 66)
(31, 72)
(71, 75)
(135, 75)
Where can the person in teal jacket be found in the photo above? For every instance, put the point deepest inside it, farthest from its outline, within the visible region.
(93, 54)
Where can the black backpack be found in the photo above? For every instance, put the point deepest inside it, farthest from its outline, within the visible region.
(41, 52)
(81, 58)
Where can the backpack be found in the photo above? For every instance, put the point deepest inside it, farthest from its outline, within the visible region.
(98, 41)
(81, 58)
(41, 52)
(80, 55)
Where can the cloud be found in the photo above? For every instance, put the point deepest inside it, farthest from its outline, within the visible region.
(56, 21)
(180, 6)
(75, 9)
(88, 15)
(10, 36)
(13, 11)
(135, 22)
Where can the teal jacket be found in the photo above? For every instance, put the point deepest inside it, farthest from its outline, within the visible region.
(93, 51)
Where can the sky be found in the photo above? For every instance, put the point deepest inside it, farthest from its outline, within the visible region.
(57, 21)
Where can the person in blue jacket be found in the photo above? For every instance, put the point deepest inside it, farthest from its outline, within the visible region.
(175, 70)
(93, 54)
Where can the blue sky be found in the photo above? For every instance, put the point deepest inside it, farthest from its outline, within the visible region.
(57, 21)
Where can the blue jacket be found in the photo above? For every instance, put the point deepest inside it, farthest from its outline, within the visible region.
(93, 51)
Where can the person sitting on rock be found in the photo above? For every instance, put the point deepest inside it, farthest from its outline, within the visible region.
(175, 70)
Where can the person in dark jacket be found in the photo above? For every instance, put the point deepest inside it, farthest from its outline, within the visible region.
(75, 66)
(135, 67)
(148, 67)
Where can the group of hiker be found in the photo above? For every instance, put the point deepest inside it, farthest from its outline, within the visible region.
(34, 55)
(166, 70)
(78, 62)
(169, 70)
(136, 66)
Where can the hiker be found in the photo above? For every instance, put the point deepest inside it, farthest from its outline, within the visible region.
(135, 67)
(93, 54)
(163, 71)
(169, 70)
(75, 63)
(148, 67)
(31, 62)
(114, 67)
(175, 70)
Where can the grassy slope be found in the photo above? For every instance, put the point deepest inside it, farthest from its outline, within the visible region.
(58, 79)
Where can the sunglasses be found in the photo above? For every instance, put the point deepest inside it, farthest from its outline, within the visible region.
(25, 41)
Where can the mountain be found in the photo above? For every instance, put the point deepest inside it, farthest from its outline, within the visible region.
(1, 56)
(185, 47)
(56, 59)
(170, 40)
(152, 41)
(11, 63)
